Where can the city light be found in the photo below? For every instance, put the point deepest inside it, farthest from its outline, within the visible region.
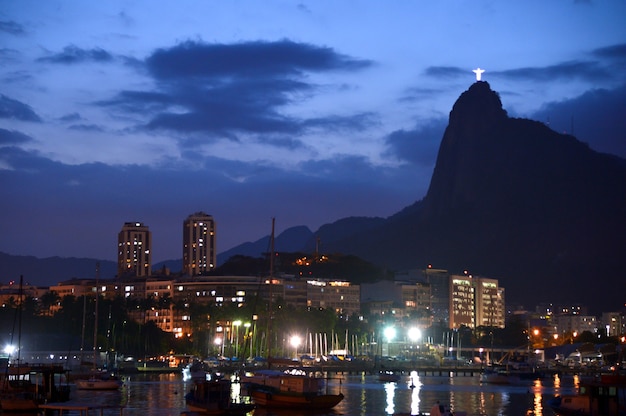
(390, 333)
(295, 341)
(415, 334)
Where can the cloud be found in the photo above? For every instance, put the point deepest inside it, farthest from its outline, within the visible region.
(11, 137)
(72, 55)
(445, 71)
(71, 117)
(595, 117)
(418, 146)
(11, 27)
(585, 70)
(246, 60)
(87, 127)
(13, 109)
(228, 90)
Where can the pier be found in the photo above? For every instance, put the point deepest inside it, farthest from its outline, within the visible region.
(76, 409)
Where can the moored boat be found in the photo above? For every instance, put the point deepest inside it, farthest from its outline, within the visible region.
(605, 396)
(99, 383)
(213, 397)
(292, 388)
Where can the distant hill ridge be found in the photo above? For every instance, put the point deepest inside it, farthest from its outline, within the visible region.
(509, 199)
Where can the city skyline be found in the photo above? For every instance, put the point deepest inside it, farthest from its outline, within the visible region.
(308, 112)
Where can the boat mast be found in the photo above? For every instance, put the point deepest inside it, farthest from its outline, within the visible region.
(95, 325)
(269, 309)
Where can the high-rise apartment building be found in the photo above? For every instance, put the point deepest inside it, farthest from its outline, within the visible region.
(134, 245)
(199, 251)
(475, 301)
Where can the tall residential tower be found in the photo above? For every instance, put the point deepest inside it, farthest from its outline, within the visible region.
(199, 252)
(134, 244)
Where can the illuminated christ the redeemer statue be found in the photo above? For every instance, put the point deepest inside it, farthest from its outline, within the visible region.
(478, 73)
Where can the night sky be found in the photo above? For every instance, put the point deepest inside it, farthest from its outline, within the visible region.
(308, 112)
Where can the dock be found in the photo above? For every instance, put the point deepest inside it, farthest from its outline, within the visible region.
(76, 409)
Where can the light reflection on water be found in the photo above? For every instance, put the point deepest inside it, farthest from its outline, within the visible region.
(163, 395)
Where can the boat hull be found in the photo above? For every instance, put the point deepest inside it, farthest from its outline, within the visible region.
(98, 384)
(266, 398)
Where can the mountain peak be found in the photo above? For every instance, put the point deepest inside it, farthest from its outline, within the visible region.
(477, 110)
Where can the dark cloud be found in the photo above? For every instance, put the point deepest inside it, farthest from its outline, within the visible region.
(418, 146)
(87, 127)
(11, 27)
(225, 90)
(597, 118)
(73, 55)
(445, 71)
(586, 70)
(356, 122)
(71, 117)
(246, 60)
(13, 109)
(617, 52)
(12, 137)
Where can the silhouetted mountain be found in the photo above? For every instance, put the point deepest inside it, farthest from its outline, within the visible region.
(509, 199)
(51, 270)
(292, 239)
(513, 200)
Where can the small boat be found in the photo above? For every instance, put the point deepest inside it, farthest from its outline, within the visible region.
(213, 397)
(507, 375)
(388, 377)
(294, 389)
(605, 396)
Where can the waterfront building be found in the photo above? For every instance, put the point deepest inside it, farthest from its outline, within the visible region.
(475, 301)
(199, 250)
(614, 323)
(341, 296)
(134, 250)
(570, 324)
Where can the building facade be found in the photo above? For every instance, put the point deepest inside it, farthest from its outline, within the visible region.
(199, 251)
(476, 301)
(134, 250)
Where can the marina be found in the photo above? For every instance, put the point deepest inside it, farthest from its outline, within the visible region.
(164, 395)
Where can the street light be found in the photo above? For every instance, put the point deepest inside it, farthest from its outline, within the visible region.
(295, 343)
(220, 345)
(390, 334)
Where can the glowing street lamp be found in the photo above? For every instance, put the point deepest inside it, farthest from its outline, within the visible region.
(295, 343)
(414, 334)
(390, 333)
(219, 342)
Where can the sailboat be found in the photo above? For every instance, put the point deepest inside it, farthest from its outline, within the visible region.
(291, 388)
(98, 380)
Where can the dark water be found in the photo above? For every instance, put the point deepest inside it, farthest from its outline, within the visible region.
(163, 395)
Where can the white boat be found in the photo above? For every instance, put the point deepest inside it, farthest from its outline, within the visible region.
(98, 384)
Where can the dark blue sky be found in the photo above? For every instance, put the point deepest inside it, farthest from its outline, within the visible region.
(308, 112)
